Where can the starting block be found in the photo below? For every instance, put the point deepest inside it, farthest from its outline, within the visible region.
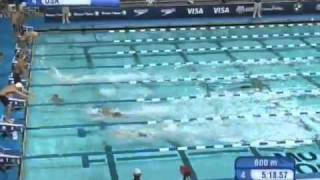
(11, 80)
(28, 28)
(17, 103)
(6, 159)
(10, 127)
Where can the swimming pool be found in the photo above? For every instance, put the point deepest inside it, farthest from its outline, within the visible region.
(199, 96)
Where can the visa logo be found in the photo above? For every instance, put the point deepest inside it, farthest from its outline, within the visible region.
(195, 11)
(50, 2)
(221, 10)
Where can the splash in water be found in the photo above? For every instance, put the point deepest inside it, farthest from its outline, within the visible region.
(152, 111)
(110, 77)
(138, 92)
(107, 91)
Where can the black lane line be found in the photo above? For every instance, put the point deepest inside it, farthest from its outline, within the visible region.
(182, 54)
(102, 125)
(63, 155)
(208, 37)
(135, 56)
(310, 80)
(308, 43)
(111, 163)
(255, 151)
(146, 157)
(172, 52)
(217, 152)
(88, 57)
(271, 50)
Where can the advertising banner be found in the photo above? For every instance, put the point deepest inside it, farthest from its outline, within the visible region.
(226, 10)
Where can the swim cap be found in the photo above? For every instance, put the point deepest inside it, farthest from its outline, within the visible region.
(19, 85)
(137, 171)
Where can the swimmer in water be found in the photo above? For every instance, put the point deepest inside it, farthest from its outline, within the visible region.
(135, 134)
(105, 112)
(259, 85)
(255, 84)
(109, 112)
(57, 100)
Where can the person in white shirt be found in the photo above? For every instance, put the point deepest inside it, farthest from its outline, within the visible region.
(65, 14)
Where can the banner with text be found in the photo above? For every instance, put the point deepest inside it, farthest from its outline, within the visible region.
(228, 10)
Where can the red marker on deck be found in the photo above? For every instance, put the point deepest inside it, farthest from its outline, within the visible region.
(186, 172)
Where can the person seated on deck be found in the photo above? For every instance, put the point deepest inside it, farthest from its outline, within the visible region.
(9, 91)
(57, 100)
(20, 70)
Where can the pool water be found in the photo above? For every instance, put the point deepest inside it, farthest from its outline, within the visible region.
(196, 96)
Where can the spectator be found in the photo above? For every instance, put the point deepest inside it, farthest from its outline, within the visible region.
(4, 8)
(191, 1)
(65, 14)
(257, 8)
(18, 17)
(298, 6)
(150, 2)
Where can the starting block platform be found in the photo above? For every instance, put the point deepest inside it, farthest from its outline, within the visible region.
(18, 103)
(9, 157)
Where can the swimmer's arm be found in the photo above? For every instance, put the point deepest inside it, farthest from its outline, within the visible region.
(23, 95)
(25, 91)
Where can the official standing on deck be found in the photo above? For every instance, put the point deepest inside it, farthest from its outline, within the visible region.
(65, 14)
(257, 8)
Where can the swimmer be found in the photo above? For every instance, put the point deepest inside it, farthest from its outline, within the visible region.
(134, 134)
(20, 70)
(109, 112)
(258, 85)
(57, 100)
(9, 91)
(99, 111)
(255, 84)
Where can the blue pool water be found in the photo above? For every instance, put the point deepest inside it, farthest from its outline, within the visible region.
(211, 90)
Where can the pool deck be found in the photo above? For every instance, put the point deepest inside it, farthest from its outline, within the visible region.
(7, 47)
